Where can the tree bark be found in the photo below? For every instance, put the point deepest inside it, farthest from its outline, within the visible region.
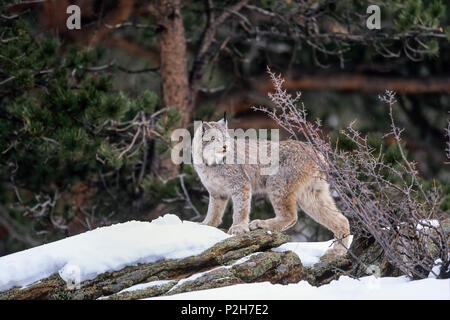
(358, 82)
(53, 16)
(173, 68)
(173, 57)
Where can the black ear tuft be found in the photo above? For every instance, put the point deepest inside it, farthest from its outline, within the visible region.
(225, 116)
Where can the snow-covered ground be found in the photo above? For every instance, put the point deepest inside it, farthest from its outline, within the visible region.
(111, 248)
(89, 254)
(369, 287)
(344, 288)
(308, 252)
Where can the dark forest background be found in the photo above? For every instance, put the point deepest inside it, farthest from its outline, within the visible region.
(86, 115)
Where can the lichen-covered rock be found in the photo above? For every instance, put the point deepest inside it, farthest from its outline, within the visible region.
(223, 253)
(328, 269)
(219, 277)
(49, 288)
(152, 291)
(445, 224)
(276, 267)
(368, 257)
(437, 249)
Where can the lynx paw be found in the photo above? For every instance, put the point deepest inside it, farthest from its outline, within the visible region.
(238, 228)
(257, 224)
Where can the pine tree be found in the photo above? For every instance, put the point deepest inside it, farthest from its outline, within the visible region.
(70, 142)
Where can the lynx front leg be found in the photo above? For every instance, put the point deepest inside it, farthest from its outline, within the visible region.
(241, 210)
(216, 207)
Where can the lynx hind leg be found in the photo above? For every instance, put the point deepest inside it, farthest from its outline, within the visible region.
(285, 213)
(315, 199)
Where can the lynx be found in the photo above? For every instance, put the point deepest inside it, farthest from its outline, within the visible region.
(297, 181)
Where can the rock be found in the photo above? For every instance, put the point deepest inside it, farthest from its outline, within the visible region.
(245, 258)
(220, 277)
(368, 258)
(328, 269)
(152, 291)
(365, 257)
(277, 267)
(436, 250)
(445, 224)
(44, 290)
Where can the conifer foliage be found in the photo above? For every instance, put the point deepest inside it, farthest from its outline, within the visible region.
(86, 115)
(67, 136)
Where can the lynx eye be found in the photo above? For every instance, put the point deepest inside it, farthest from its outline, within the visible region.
(213, 138)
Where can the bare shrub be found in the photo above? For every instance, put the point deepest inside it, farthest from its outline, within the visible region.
(386, 201)
(447, 134)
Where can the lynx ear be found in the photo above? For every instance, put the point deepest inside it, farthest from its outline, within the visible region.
(224, 120)
(199, 128)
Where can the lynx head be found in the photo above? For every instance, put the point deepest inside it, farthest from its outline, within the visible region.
(211, 142)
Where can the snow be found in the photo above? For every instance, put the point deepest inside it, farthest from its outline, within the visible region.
(200, 274)
(427, 224)
(344, 288)
(436, 269)
(142, 286)
(84, 256)
(139, 286)
(87, 255)
(369, 287)
(191, 278)
(308, 252)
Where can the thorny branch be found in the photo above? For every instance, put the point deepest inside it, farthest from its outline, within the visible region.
(188, 199)
(447, 133)
(386, 201)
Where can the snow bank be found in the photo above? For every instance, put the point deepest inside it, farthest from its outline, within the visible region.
(142, 286)
(344, 288)
(308, 252)
(84, 256)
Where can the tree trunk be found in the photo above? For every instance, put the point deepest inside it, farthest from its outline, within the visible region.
(173, 67)
(358, 82)
(173, 57)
